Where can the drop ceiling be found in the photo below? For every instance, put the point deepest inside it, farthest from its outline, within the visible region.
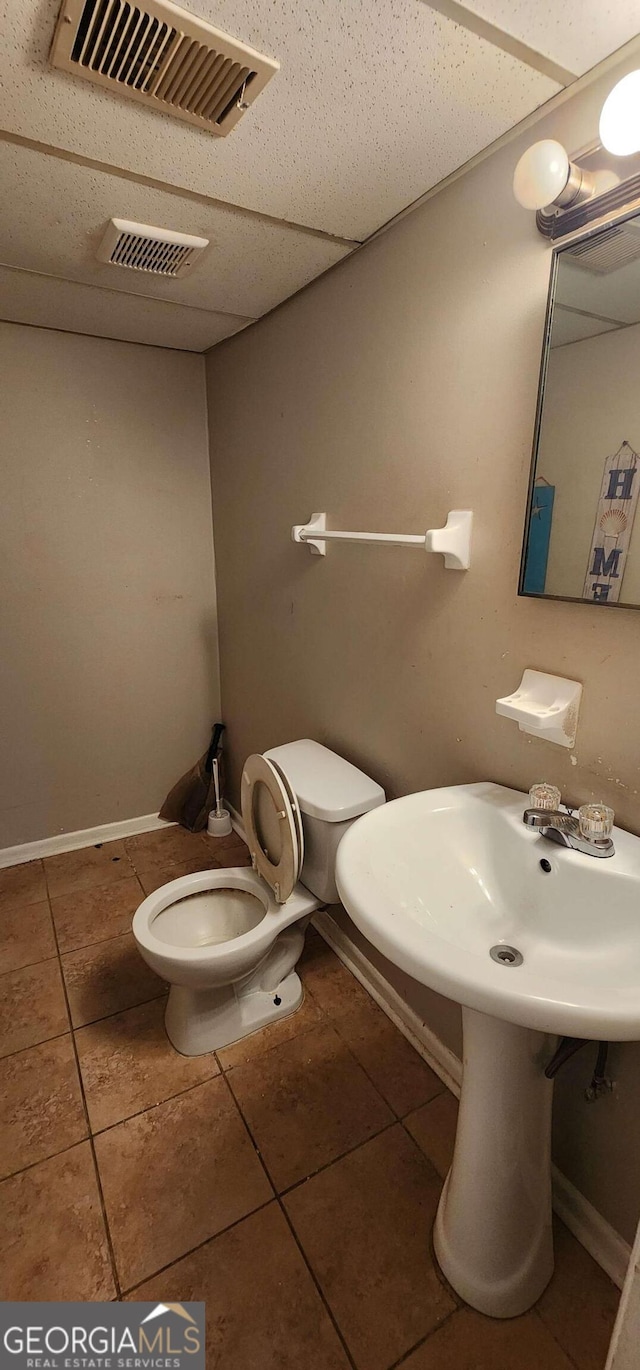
(375, 102)
(587, 304)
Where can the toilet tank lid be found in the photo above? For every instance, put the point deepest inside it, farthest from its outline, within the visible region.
(327, 786)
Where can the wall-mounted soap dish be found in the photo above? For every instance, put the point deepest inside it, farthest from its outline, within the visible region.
(544, 705)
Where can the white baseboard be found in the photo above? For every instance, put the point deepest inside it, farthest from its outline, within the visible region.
(599, 1238)
(86, 837)
(443, 1061)
(236, 820)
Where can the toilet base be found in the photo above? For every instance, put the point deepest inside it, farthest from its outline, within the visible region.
(202, 1020)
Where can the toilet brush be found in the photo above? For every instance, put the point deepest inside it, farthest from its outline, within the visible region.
(219, 822)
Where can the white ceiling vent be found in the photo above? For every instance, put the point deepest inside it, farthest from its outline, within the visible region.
(608, 250)
(158, 53)
(143, 248)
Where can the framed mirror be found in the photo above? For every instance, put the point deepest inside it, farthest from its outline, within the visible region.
(582, 526)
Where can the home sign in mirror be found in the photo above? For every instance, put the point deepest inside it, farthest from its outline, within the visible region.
(582, 529)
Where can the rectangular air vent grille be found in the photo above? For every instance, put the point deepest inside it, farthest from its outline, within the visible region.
(608, 250)
(142, 247)
(158, 53)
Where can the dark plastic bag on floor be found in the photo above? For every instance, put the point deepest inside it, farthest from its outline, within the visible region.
(193, 796)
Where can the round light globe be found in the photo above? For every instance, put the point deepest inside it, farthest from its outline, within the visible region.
(620, 118)
(541, 174)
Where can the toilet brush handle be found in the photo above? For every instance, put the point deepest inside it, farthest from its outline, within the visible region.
(213, 747)
(216, 786)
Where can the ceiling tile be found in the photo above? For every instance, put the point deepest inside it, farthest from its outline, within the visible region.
(576, 33)
(615, 295)
(53, 214)
(570, 327)
(73, 308)
(374, 103)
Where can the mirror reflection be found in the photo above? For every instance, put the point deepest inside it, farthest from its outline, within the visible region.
(582, 536)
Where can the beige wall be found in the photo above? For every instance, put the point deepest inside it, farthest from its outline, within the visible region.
(591, 405)
(108, 667)
(401, 385)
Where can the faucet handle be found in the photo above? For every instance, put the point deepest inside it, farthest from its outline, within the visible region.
(544, 796)
(596, 822)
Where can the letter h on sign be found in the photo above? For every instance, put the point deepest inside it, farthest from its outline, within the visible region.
(621, 482)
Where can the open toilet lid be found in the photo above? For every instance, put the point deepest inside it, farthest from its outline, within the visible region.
(271, 825)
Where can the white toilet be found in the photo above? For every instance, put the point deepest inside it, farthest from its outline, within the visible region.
(228, 941)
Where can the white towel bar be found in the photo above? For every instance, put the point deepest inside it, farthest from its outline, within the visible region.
(453, 541)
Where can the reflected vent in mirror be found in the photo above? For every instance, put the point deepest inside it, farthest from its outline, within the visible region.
(144, 248)
(608, 250)
(158, 53)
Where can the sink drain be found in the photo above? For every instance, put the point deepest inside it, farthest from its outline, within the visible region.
(506, 956)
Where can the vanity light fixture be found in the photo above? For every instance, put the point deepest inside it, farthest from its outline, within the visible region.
(569, 195)
(545, 176)
(620, 117)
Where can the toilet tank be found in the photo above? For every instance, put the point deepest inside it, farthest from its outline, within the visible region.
(331, 794)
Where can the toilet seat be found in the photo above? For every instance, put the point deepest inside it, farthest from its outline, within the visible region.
(272, 824)
(295, 807)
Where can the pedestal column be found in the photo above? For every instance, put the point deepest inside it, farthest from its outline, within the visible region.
(492, 1236)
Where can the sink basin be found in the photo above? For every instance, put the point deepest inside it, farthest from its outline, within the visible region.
(439, 881)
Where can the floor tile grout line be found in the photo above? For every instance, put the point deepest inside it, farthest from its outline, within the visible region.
(179, 1093)
(410, 1111)
(282, 1194)
(393, 1122)
(91, 889)
(100, 942)
(402, 1360)
(95, 887)
(402, 1122)
(65, 894)
(290, 1189)
(250, 1135)
(20, 908)
(330, 1021)
(569, 1354)
(103, 1206)
(31, 1165)
(153, 1274)
(321, 1293)
(28, 965)
(55, 1038)
(100, 883)
(295, 1036)
(98, 1178)
(335, 1019)
(77, 1027)
(363, 1068)
(398, 1116)
(294, 1235)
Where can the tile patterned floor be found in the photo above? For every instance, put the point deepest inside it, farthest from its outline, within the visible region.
(290, 1180)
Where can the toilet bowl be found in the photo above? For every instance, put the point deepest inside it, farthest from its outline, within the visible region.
(228, 951)
(228, 941)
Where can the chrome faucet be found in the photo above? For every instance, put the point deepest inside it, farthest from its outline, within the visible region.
(564, 828)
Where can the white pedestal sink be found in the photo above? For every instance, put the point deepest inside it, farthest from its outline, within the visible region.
(436, 881)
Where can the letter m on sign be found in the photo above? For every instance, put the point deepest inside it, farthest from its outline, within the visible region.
(613, 526)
